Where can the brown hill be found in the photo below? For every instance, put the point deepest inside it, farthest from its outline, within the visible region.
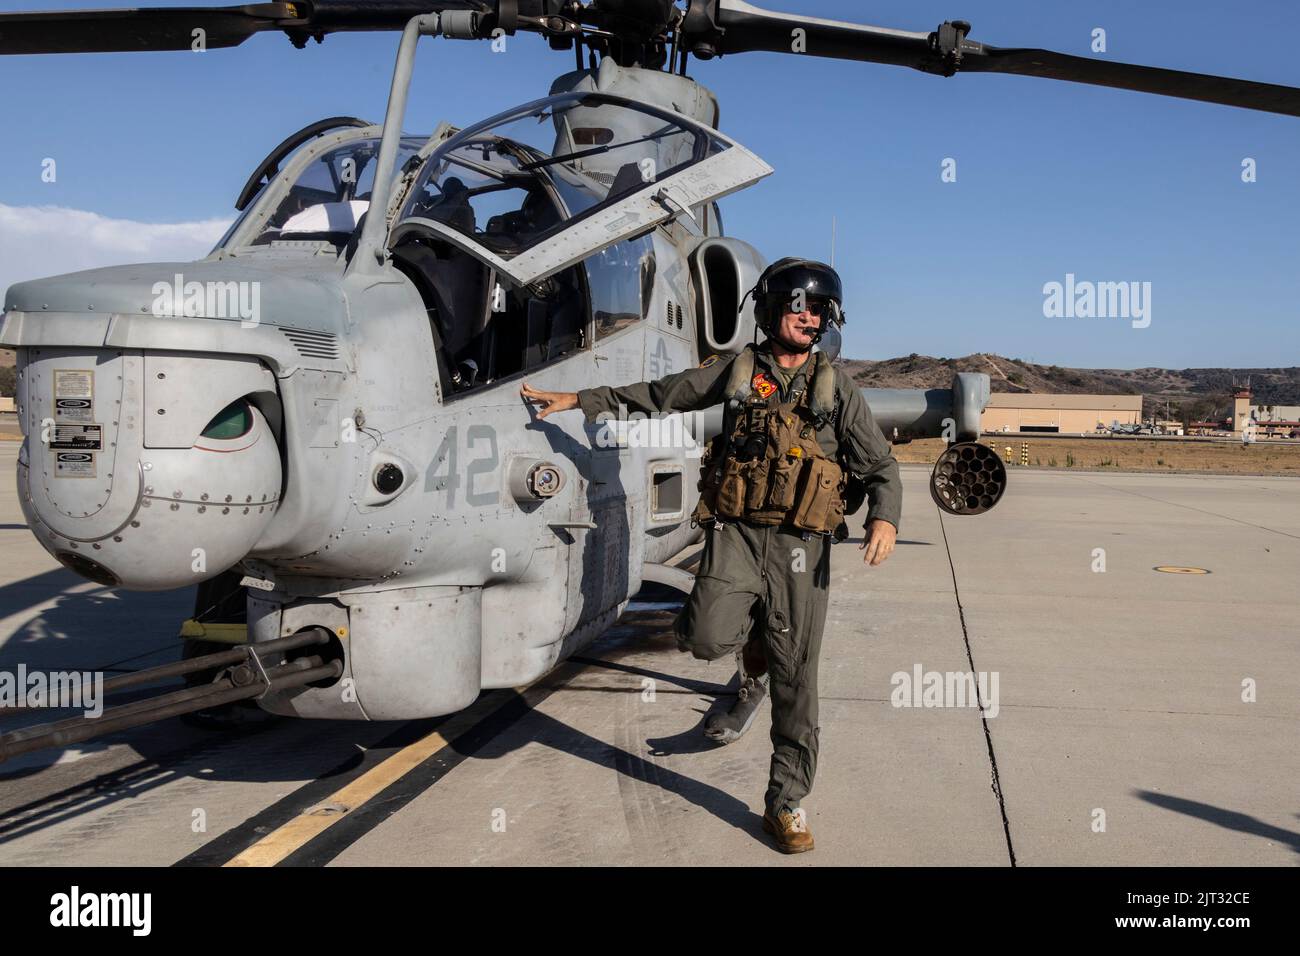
(1190, 392)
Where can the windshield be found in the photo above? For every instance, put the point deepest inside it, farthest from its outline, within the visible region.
(517, 179)
(329, 196)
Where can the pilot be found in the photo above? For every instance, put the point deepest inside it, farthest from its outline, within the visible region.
(798, 438)
(453, 207)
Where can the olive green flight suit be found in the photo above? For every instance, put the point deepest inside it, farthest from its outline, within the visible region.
(772, 580)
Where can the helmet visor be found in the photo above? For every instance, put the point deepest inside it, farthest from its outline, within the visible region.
(818, 306)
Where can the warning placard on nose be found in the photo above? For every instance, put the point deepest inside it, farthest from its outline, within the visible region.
(74, 395)
(78, 437)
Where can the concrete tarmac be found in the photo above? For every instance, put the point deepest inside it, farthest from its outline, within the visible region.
(1129, 716)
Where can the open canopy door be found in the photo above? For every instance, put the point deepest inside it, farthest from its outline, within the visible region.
(538, 189)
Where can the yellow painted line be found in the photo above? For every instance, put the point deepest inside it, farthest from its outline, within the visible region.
(295, 834)
(298, 832)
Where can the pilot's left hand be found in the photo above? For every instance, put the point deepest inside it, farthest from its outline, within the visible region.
(878, 542)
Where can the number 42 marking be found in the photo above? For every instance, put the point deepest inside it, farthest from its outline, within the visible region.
(438, 479)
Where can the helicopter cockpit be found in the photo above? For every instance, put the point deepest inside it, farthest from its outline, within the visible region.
(502, 229)
(528, 236)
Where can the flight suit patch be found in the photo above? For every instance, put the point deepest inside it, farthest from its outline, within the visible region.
(763, 385)
(711, 360)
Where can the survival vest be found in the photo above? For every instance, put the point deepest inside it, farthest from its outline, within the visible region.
(767, 467)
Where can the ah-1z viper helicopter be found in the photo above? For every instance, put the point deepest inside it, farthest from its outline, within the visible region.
(329, 402)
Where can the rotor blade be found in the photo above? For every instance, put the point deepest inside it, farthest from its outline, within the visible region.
(112, 31)
(330, 16)
(1246, 94)
(745, 28)
(740, 27)
(173, 28)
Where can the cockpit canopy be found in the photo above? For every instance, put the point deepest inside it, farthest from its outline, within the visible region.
(518, 179)
(503, 187)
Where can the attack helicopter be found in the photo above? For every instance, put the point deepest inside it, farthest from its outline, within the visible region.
(320, 424)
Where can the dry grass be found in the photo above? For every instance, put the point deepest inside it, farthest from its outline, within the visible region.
(1132, 454)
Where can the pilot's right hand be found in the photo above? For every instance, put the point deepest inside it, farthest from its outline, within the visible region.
(552, 402)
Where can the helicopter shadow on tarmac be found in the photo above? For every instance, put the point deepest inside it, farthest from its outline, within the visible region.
(540, 728)
(638, 634)
(87, 629)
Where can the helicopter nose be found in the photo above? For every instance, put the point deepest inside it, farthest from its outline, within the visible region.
(126, 501)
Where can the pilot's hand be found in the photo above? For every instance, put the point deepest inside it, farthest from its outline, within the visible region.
(552, 402)
(879, 541)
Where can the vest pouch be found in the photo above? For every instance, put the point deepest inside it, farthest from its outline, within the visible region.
(783, 482)
(821, 506)
(756, 477)
(731, 491)
(706, 506)
(836, 517)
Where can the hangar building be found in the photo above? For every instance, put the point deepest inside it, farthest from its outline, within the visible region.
(1067, 414)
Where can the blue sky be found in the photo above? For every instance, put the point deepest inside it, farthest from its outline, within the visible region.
(1052, 178)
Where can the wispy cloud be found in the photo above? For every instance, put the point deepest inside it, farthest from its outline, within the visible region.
(37, 241)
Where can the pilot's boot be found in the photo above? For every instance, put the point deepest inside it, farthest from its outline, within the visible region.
(790, 827)
(727, 726)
